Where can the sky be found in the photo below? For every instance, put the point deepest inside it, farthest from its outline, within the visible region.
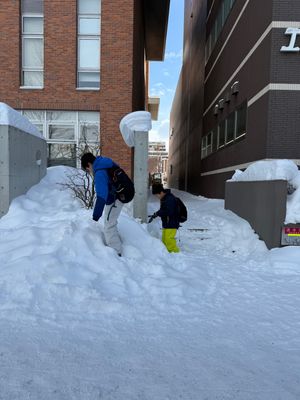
(164, 75)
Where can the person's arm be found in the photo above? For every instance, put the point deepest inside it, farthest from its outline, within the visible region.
(164, 209)
(101, 186)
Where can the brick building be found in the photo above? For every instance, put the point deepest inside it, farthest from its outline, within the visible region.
(238, 96)
(76, 67)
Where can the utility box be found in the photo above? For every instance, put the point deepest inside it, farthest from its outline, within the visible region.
(262, 204)
(23, 157)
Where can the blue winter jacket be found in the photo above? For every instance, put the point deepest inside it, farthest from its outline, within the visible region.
(103, 186)
(169, 211)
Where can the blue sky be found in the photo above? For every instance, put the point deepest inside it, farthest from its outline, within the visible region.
(164, 75)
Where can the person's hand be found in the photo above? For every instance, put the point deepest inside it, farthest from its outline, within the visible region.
(151, 217)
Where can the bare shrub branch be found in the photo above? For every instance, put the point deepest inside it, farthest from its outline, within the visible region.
(80, 183)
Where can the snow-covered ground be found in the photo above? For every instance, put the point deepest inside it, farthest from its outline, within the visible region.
(220, 320)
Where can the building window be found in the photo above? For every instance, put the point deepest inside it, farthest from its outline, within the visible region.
(215, 140)
(221, 134)
(207, 145)
(230, 128)
(241, 124)
(217, 25)
(89, 44)
(68, 133)
(32, 44)
(203, 147)
(62, 154)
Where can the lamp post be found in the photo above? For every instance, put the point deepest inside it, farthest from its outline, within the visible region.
(135, 128)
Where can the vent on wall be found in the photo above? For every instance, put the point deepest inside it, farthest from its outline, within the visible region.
(235, 88)
(227, 97)
(221, 104)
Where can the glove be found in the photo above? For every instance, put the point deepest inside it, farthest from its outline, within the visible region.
(151, 218)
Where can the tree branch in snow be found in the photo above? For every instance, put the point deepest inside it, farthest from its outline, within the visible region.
(79, 182)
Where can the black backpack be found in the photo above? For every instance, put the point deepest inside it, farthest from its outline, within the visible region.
(122, 184)
(182, 211)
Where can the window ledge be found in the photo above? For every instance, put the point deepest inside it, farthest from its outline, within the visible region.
(32, 87)
(93, 89)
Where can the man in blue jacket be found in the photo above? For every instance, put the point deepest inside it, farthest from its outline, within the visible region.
(106, 200)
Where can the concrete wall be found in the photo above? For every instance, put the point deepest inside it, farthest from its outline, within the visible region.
(19, 170)
(262, 204)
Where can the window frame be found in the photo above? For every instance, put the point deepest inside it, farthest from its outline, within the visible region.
(88, 16)
(219, 128)
(203, 147)
(88, 123)
(87, 69)
(243, 105)
(211, 136)
(73, 161)
(89, 36)
(234, 128)
(214, 32)
(61, 124)
(77, 122)
(207, 149)
(24, 36)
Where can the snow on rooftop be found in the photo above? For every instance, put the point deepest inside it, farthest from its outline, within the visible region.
(267, 170)
(11, 117)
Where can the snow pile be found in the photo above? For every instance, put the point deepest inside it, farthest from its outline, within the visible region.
(217, 321)
(274, 170)
(138, 121)
(267, 171)
(293, 202)
(11, 117)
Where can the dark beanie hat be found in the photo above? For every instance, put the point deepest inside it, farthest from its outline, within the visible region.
(157, 188)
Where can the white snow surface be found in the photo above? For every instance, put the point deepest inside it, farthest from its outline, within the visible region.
(266, 170)
(274, 170)
(220, 320)
(137, 121)
(11, 117)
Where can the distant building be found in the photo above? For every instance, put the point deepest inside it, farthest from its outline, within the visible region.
(237, 99)
(158, 157)
(74, 68)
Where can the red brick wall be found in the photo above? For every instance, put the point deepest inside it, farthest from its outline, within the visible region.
(120, 59)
